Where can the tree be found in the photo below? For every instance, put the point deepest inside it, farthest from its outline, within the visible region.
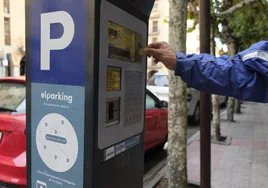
(177, 120)
(230, 40)
(216, 118)
(243, 23)
(249, 26)
(237, 107)
(230, 109)
(249, 23)
(215, 98)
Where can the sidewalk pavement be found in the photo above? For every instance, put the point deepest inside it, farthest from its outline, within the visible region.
(243, 164)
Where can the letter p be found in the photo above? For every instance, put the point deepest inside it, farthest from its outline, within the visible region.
(48, 44)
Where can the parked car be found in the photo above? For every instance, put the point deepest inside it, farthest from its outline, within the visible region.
(158, 84)
(12, 132)
(156, 126)
(13, 126)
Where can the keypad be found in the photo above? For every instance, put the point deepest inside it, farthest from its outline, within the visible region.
(133, 97)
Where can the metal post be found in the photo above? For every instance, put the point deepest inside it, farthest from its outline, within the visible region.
(205, 109)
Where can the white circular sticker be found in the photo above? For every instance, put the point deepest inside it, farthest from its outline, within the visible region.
(56, 142)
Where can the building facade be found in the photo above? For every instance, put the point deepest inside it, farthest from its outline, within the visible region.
(12, 36)
(159, 31)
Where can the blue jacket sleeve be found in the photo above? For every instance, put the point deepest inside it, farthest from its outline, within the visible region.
(245, 76)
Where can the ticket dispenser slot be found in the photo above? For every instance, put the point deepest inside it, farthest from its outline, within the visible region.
(112, 111)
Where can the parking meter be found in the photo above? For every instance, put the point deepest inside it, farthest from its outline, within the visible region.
(86, 92)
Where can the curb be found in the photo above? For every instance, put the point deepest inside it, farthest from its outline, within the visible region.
(152, 177)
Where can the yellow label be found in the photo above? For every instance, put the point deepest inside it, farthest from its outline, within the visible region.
(113, 82)
(121, 42)
(141, 51)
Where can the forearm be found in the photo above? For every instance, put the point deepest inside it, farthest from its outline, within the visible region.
(221, 76)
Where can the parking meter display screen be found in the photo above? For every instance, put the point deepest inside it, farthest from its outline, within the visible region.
(121, 42)
(113, 81)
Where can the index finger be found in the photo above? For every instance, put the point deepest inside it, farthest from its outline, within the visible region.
(156, 45)
(156, 53)
(153, 45)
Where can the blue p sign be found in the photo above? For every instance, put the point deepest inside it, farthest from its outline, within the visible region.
(57, 41)
(48, 44)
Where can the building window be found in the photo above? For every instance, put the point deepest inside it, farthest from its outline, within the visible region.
(7, 31)
(6, 6)
(154, 40)
(155, 26)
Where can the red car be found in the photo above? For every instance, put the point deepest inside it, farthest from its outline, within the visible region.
(13, 125)
(12, 132)
(156, 126)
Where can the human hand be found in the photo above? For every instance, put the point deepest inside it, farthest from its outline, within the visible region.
(162, 52)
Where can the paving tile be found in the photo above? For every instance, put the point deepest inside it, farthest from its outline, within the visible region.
(243, 164)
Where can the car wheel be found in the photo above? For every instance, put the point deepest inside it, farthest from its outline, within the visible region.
(196, 116)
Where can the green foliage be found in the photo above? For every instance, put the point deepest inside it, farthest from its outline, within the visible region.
(166, 21)
(249, 24)
(190, 29)
(192, 16)
(246, 26)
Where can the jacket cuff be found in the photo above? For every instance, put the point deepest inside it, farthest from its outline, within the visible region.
(179, 63)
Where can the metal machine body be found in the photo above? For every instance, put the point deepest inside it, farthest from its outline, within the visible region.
(86, 92)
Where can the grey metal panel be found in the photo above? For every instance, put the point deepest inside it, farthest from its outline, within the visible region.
(108, 136)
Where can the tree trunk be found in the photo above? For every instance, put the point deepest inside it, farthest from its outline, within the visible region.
(232, 49)
(231, 100)
(237, 108)
(230, 109)
(215, 98)
(177, 120)
(216, 117)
